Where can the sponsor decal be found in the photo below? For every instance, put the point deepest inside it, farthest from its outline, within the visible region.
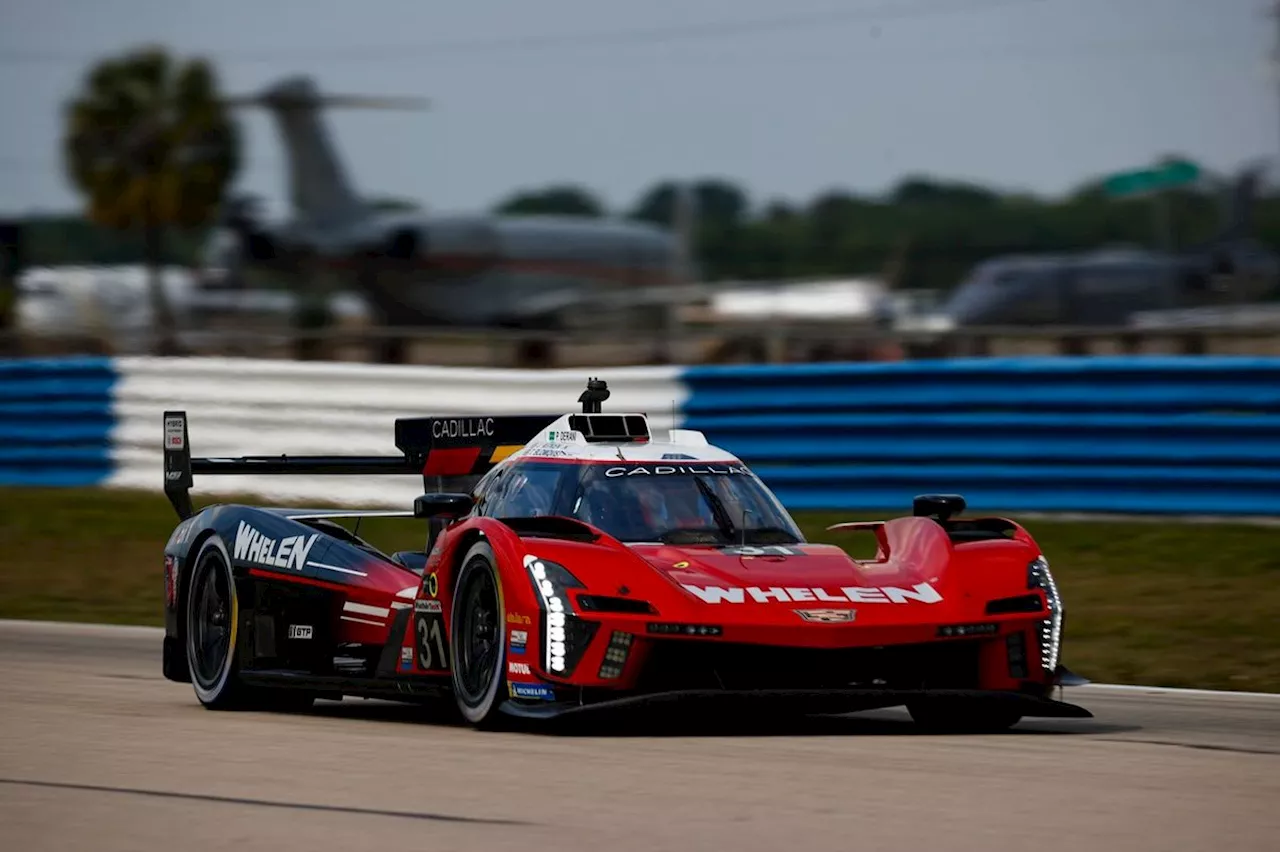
(920, 593)
(182, 532)
(518, 669)
(427, 606)
(672, 469)
(827, 616)
(681, 565)
(170, 582)
(470, 427)
(519, 639)
(431, 585)
(549, 451)
(517, 618)
(299, 631)
(289, 553)
(406, 659)
(173, 475)
(677, 457)
(531, 690)
(749, 550)
(173, 428)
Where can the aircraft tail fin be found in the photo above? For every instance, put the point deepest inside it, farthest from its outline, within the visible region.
(318, 185)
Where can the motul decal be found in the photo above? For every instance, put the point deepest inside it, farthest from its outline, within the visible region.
(920, 593)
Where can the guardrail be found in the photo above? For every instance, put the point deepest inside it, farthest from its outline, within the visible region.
(56, 421)
(1140, 435)
(1124, 435)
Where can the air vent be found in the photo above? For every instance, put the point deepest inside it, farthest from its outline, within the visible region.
(626, 428)
(1022, 603)
(604, 603)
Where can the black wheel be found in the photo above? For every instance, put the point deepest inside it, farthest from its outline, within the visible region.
(946, 717)
(477, 641)
(212, 615)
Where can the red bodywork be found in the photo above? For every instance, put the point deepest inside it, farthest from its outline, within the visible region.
(918, 583)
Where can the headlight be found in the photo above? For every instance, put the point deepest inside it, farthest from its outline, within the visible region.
(564, 636)
(1039, 577)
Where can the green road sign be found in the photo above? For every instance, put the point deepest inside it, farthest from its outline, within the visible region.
(1167, 176)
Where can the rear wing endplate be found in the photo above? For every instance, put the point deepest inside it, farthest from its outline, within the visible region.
(429, 446)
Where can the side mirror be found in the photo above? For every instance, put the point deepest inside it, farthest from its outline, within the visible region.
(443, 505)
(940, 506)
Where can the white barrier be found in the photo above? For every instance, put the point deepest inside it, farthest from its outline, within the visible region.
(257, 407)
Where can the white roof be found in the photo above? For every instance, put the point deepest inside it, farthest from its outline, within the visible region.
(559, 441)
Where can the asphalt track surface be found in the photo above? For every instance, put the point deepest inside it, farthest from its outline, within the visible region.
(98, 752)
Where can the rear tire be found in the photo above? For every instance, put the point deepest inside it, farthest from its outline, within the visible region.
(477, 640)
(945, 717)
(213, 613)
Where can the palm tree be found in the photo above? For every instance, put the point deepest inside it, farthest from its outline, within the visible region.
(150, 145)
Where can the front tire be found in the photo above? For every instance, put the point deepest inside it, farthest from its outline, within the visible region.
(477, 641)
(961, 717)
(213, 614)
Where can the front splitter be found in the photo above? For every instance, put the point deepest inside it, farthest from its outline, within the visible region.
(798, 701)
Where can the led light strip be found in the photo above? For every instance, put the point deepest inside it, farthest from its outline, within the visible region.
(553, 605)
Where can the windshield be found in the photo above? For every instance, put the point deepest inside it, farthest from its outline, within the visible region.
(678, 502)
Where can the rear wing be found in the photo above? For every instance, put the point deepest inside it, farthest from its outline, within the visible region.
(429, 446)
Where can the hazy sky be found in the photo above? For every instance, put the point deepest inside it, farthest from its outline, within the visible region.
(1033, 94)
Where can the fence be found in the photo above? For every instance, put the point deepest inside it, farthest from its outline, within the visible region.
(1124, 434)
(1130, 435)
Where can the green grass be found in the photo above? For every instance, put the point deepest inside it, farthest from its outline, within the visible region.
(1157, 603)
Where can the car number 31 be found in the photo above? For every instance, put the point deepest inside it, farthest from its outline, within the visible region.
(432, 654)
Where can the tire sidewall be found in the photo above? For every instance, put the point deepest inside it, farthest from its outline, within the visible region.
(479, 557)
(224, 685)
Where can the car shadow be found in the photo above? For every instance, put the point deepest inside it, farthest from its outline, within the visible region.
(615, 724)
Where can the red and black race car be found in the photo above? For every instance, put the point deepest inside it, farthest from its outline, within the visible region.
(596, 565)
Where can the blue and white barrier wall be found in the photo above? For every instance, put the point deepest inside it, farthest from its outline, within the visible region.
(1141, 434)
(56, 421)
(1198, 435)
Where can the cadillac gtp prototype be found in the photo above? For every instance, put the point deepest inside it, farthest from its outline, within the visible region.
(597, 565)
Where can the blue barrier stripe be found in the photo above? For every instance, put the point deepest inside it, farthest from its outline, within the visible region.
(1153, 449)
(1002, 396)
(55, 433)
(1048, 367)
(1039, 497)
(78, 477)
(72, 408)
(803, 425)
(874, 475)
(95, 454)
(56, 421)
(93, 389)
(22, 368)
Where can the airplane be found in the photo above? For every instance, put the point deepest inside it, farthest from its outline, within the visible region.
(416, 269)
(1108, 287)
